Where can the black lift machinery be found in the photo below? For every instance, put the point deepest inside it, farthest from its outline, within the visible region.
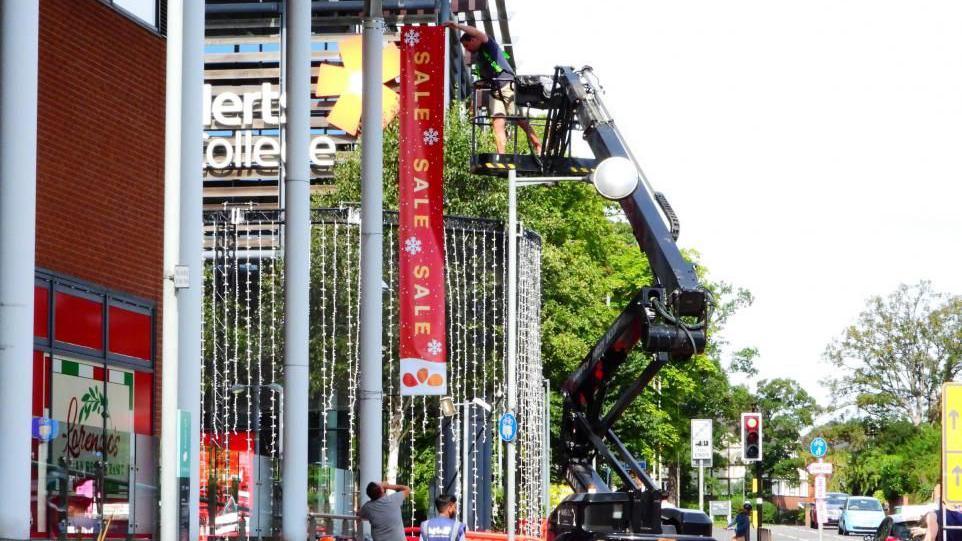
(667, 320)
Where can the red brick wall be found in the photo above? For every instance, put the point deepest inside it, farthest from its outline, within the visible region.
(100, 150)
(790, 502)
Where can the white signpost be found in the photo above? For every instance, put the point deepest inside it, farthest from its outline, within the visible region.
(819, 448)
(701, 451)
(820, 487)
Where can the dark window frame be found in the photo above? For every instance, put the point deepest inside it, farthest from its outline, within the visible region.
(160, 16)
(107, 298)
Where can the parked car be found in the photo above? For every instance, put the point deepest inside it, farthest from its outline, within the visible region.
(914, 512)
(861, 514)
(898, 527)
(834, 502)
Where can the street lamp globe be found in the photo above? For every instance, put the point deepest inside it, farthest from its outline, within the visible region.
(615, 178)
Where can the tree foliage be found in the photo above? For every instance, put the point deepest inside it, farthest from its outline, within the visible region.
(591, 267)
(787, 411)
(893, 360)
(884, 458)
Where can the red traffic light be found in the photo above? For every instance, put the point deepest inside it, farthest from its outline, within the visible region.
(751, 437)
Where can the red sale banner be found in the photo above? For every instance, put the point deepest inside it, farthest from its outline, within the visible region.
(423, 344)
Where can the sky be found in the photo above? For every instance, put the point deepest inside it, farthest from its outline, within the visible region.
(810, 148)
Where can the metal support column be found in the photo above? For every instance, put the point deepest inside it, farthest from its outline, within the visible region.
(297, 266)
(190, 299)
(512, 384)
(372, 202)
(465, 468)
(546, 452)
(19, 31)
(169, 456)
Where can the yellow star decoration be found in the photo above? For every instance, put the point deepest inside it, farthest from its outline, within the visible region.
(345, 81)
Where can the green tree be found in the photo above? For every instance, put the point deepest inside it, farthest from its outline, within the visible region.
(787, 409)
(591, 267)
(884, 458)
(893, 360)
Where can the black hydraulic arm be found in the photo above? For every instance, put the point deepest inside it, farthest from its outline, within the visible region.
(668, 319)
(653, 235)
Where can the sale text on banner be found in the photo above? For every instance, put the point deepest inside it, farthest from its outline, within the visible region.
(423, 345)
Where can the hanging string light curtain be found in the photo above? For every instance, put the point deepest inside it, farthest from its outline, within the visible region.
(243, 346)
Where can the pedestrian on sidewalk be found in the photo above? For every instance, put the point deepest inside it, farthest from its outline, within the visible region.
(384, 511)
(443, 527)
(742, 523)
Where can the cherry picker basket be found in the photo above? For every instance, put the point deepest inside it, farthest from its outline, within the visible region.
(537, 102)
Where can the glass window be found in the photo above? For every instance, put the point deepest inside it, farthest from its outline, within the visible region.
(129, 331)
(901, 530)
(93, 445)
(864, 505)
(41, 309)
(836, 499)
(883, 530)
(78, 318)
(145, 10)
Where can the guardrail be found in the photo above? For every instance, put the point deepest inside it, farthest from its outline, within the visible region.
(413, 534)
(320, 526)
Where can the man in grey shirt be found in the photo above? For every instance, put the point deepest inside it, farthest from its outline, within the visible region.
(384, 511)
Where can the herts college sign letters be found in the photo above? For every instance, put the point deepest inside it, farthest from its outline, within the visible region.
(242, 117)
(244, 114)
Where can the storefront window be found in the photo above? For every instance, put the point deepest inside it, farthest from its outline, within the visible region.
(94, 448)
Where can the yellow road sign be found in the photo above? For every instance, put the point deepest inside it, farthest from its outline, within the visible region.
(952, 442)
(953, 478)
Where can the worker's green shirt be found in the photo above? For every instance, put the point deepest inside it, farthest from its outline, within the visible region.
(491, 62)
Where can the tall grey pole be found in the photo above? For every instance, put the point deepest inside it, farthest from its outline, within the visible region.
(465, 461)
(372, 202)
(169, 456)
(512, 384)
(190, 299)
(546, 452)
(297, 266)
(19, 30)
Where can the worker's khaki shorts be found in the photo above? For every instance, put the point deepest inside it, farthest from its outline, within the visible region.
(501, 102)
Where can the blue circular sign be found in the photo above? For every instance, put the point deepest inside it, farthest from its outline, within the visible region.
(818, 447)
(508, 427)
(45, 429)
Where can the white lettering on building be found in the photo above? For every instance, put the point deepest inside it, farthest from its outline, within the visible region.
(244, 114)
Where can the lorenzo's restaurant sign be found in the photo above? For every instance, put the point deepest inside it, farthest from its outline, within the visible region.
(244, 114)
(86, 399)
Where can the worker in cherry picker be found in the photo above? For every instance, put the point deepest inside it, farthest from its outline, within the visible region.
(493, 67)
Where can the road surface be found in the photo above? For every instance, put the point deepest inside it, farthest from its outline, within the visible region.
(791, 533)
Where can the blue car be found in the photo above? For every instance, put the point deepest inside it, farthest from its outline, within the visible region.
(860, 514)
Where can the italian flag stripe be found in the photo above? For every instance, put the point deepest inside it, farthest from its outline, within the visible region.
(83, 370)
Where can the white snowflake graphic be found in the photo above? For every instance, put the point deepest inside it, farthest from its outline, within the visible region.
(412, 37)
(434, 346)
(412, 245)
(431, 136)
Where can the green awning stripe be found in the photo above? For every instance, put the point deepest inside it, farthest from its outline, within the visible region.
(70, 368)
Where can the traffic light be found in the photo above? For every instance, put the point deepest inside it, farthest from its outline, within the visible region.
(751, 437)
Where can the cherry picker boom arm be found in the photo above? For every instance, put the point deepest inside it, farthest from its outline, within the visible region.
(668, 319)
